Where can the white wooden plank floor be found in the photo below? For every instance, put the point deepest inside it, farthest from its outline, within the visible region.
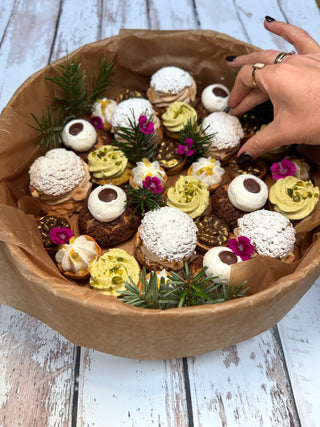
(270, 380)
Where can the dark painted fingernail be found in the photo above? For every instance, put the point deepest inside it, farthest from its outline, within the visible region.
(269, 19)
(230, 58)
(244, 158)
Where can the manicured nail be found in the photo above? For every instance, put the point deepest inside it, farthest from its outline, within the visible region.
(244, 158)
(269, 19)
(230, 58)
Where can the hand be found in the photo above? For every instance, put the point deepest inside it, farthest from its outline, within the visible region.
(293, 87)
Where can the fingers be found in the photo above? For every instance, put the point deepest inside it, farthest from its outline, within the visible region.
(265, 56)
(298, 37)
(254, 98)
(264, 141)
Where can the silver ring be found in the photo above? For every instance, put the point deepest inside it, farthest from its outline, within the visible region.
(256, 67)
(280, 57)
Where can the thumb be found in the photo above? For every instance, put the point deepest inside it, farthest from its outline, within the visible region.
(264, 140)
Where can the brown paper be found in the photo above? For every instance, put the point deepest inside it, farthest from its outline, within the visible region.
(31, 281)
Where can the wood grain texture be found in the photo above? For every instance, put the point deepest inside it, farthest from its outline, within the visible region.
(36, 374)
(6, 11)
(242, 385)
(26, 45)
(172, 15)
(78, 25)
(300, 336)
(130, 392)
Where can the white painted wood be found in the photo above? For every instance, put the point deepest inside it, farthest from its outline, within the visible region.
(300, 336)
(6, 10)
(123, 14)
(302, 14)
(172, 15)
(36, 373)
(26, 44)
(117, 391)
(242, 385)
(79, 24)
(221, 16)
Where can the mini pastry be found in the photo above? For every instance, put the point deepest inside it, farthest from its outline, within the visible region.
(212, 231)
(222, 207)
(60, 180)
(189, 195)
(107, 218)
(146, 168)
(302, 168)
(171, 84)
(256, 119)
(290, 166)
(128, 94)
(169, 158)
(215, 98)
(79, 135)
(294, 198)
(227, 131)
(109, 272)
(256, 167)
(271, 233)
(75, 258)
(108, 165)
(248, 193)
(176, 117)
(218, 261)
(130, 110)
(208, 171)
(104, 108)
(167, 238)
(47, 223)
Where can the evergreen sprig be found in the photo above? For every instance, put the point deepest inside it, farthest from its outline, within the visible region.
(179, 290)
(136, 145)
(201, 140)
(75, 98)
(143, 199)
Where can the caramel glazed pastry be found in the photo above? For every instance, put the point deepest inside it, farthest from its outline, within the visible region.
(106, 217)
(171, 84)
(60, 180)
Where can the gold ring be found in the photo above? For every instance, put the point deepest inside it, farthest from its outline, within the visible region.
(256, 67)
(280, 57)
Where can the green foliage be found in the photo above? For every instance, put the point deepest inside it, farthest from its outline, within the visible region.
(201, 141)
(143, 199)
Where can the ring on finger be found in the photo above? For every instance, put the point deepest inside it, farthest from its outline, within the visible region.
(256, 67)
(280, 57)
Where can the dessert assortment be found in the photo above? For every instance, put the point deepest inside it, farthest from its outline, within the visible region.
(160, 175)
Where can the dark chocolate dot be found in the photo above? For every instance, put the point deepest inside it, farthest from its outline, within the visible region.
(218, 91)
(107, 195)
(228, 257)
(75, 128)
(251, 185)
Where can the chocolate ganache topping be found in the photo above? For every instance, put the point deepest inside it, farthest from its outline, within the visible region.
(219, 92)
(228, 257)
(251, 185)
(107, 195)
(76, 128)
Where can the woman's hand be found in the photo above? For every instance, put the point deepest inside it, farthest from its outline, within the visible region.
(293, 87)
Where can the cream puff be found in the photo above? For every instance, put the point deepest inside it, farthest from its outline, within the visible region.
(104, 108)
(208, 171)
(60, 180)
(167, 238)
(79, 135)
(146, 168)
(226, 131)
(218, 261)
(171, 84)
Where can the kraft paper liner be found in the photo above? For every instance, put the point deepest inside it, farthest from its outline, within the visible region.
(32, 283)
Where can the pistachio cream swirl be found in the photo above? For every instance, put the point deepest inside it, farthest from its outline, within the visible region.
(294, 198)
(107, 162)
(177, 116)
(189, 195)
(111, 270)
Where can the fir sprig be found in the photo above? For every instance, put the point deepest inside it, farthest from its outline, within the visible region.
(179, 290)
(143, 199)
(136, 145)
(201, 140)
(75, 98)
